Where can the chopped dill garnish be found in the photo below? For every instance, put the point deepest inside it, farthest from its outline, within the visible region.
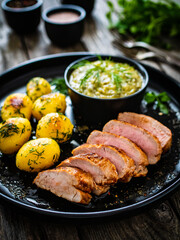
(8, 130)
(98, 79)
(105, 78)
(87, 76)
(117, 81)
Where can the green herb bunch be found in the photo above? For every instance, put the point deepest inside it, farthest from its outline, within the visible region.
(158, 100)
(60, 85)
(146, 20)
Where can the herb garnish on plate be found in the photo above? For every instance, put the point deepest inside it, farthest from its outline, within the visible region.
(60, 85)
(159, 101)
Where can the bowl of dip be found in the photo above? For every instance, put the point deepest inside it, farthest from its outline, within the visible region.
(64, 24)
(21, 15)
(88, 5)
(101, 87)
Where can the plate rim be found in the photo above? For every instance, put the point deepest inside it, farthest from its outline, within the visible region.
(94, 214)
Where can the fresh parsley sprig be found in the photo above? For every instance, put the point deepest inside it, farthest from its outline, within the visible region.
(159, 100)
(145, 20)
(60, 85)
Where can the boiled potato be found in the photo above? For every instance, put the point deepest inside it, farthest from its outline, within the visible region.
(14, 132)
(56, 126)
(37, 87)
(17, 105)
(53, 102)
(37, 155)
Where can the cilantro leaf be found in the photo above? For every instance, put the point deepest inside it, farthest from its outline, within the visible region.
(163, 97)
(163, 108)
(158, 100)
(150, 97)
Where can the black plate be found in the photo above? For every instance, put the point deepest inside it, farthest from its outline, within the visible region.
(162, 178)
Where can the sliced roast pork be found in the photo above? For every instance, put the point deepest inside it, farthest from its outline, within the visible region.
(101, 169)
(122, 143)
(151, 125)
(70, 183)
(145, 140)
(99, 189)
(125, 166)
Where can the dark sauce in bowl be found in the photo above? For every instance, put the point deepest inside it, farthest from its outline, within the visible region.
(21, 3)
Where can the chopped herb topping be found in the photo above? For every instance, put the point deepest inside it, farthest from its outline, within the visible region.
(8, 130)
(105, 79)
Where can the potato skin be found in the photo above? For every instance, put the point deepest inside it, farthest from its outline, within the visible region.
(16, 105)
(14, 132)
(37, 87)
(50, 103)
(37, 155)
(56, 126)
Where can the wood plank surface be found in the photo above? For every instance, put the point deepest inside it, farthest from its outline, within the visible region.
(11, 47)
(17, 225)
(159, 222)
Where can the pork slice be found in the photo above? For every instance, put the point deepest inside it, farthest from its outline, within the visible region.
(153, 126)
(69, 183)
(101, 169)
(145, 140)
(99, 189)
(122, 143)
(124, 165)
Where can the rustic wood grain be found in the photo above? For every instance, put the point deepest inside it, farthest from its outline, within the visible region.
(11, 48)
(157, 223)
(16, 225)
(175, 202)
(97, 37)
(161, 222)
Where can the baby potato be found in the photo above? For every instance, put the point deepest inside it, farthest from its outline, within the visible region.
(16, 105)
(37, 155)
(52, 102)
(37, 87)
(56, 126)
(14, 132)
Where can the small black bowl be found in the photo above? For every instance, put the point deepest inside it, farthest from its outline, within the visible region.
(23, 19)
(64, 34)
(98, 110)
(88, 5)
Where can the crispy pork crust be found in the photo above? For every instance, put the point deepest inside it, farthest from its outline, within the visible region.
(124, 165)
(101, 169)
(122, 143)
(70, 183)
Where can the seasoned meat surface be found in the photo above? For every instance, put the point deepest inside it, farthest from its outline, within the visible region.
(125, 166)
(101, 169)
(122, 143)
(153, 126)
(145, 140)
(70, 183)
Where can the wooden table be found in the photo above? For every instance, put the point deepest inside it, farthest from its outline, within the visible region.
(160, 222)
